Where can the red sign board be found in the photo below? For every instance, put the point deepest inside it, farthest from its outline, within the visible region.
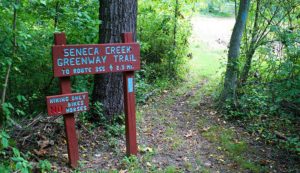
(67, 103)
(70, 60)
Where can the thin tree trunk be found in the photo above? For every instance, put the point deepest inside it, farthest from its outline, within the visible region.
(14, 50)
(247, 67)
(175, 22)
(252, 48)
(176, 11)
(230, 83)
(56, 20)
(235, 8)
(56, 14)
(117, 16)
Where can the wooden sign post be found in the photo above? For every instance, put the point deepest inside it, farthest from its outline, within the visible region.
(69, 119)
(129, 105)
(70, 60)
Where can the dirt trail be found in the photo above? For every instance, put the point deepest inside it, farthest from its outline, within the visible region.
(196, 138)
(173, 132)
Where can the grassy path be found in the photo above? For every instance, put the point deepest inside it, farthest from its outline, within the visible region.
(179, 131)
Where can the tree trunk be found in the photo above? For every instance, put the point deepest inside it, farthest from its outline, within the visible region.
(173, 59)
(56, 15)
(56, 22)
(176, 11)
(117, 16)
(14, 51)
(230, 83)
(235, 8)
(247, 66)
(252, 48)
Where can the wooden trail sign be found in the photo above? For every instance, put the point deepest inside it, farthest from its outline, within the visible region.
(67, 103)
(70, 60)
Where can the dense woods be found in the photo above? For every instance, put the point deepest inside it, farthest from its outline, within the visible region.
(267, 81)
(258, 88)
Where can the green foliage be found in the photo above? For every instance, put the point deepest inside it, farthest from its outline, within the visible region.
(12, 160)
(269, 96)
(234, 149)
(131, 163)
(224, 8)
(293, 143)
(98, 112)
(4, 140)
(7, 109)
(21, 164)
(164, 39)
(164, 46)
(31, 79)
(44, 166)
(170, 169)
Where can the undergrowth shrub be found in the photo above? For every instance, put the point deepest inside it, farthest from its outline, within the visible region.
(269, 101)
(224, 8)
(13, 160)
(164, 38)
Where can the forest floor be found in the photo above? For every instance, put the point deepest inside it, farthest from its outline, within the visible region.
(178, 130)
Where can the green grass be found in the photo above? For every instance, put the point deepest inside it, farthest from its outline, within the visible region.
(170, 169)
(206, 62)
(234, 149)
(139, 115)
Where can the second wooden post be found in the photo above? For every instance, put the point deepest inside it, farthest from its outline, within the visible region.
(129, 104)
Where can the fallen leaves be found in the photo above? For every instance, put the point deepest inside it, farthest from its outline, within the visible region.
(181, 158)
(145, 149)
(43, 143)
(265, 162)
(40, 152)
(148, 164)
(190, 134)
(204, 129)
(123, 171)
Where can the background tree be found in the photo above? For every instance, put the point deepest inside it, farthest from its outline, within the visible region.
(266, 17)
(117, 16)
(3, 118)
(230, 83)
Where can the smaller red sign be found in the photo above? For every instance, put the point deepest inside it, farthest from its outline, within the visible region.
(67, 103)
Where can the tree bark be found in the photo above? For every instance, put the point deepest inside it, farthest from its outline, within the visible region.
(252, 47)
(230, 83)
(117, 16)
